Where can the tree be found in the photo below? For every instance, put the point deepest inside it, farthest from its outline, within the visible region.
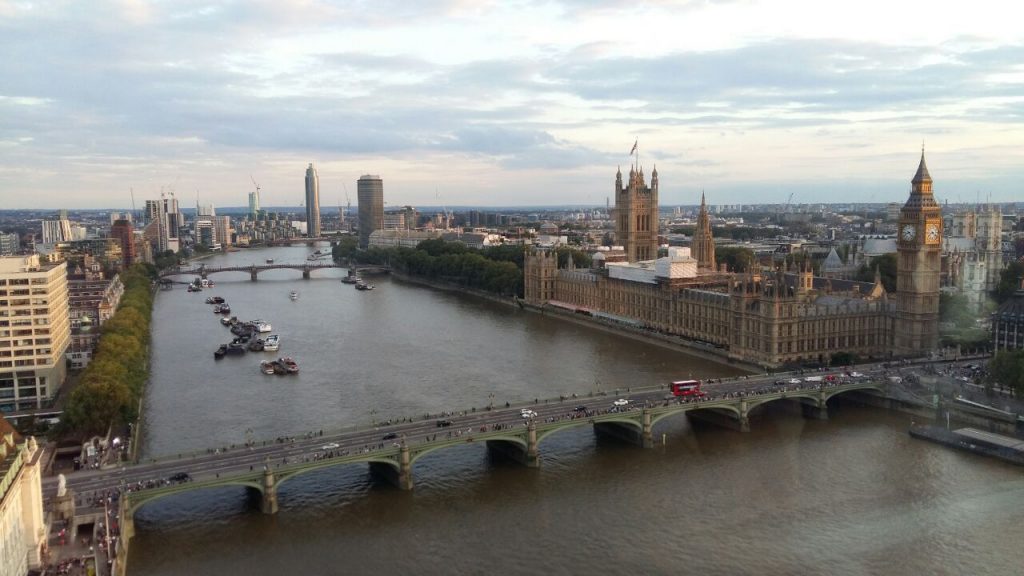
(886, 264)
(737, 258)
(1007, 369)
(1009, 281)
(844, 359)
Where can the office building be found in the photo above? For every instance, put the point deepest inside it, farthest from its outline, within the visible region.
(164, 223)
(312, 202)
(9, 244)
(122, 231)
(34, 331)
(55, 231)
(370, 191)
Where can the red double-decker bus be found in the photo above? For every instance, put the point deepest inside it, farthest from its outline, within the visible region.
(686, 388)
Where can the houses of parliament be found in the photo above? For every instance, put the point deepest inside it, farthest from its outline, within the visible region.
(771, 317)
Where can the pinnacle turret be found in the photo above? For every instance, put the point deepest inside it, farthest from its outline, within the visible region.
(922, 172)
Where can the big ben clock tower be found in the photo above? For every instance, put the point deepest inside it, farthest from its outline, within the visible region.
(919, 243)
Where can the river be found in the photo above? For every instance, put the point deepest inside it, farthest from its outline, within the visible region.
(851, 495)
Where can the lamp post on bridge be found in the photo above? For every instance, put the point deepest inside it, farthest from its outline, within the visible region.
(373, 418)
(490, 401)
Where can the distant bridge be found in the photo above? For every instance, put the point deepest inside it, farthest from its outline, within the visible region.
(303, 240)
(306, 268)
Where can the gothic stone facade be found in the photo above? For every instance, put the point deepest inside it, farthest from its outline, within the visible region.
(774, 318)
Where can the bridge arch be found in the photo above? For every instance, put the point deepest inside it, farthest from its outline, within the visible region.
(869, 387)
(139, 499)
(693, 407)
(517, 440)
(283, 476)
(621, 418)
(812, 398)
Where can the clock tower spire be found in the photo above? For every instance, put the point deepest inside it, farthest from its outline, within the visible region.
(919, 246)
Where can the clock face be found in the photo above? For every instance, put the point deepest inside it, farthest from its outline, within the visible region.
(908, 232)
(933, 233)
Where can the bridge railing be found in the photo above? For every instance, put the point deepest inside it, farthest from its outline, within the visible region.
(378, 423)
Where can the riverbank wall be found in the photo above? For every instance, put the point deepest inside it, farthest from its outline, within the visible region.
(636, 333)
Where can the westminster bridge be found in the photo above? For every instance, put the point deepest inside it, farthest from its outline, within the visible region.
(392, 449)
(203, 271)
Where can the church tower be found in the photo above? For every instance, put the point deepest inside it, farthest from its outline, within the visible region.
(703, 247)
(918, 266)
(636, 215)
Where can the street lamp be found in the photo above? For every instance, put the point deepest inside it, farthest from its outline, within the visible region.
(490, 403)
(373, 418)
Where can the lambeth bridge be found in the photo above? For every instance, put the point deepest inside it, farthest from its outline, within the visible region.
(203, 271)
(391, 449)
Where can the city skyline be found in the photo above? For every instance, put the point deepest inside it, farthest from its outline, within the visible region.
(527, 104)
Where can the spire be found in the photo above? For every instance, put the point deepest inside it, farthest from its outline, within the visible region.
(922, 171)
(655, 173)
(702, 203)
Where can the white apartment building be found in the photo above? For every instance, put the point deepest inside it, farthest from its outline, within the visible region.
(35, 331)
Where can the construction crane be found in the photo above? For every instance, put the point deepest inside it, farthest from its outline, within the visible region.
(788, 200)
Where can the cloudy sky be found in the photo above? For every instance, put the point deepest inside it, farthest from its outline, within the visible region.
(515, 102)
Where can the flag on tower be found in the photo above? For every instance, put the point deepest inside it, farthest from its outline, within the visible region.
(633, 151)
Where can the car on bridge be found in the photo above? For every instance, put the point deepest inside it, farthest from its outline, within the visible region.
(855, 375)
(795, 381)
(580, 408)
(621, 402)
(444, 423)
(390, 436)
(180, 477)
(330, 446)
(527, 413)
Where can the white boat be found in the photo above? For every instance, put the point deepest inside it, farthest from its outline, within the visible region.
(262, 326)
(271, 343)
(293, 295)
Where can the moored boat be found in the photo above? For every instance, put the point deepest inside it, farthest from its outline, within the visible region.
(270, 260)
(229, 321)
(215, 300)
(267, 367)
(220, 352)
(216, 309)
(351, 278)
(290, 365)
(225, 309)
(256, 345)
(236, 348)
(293, 295)
(261, 326)
(272, 343)
(363, 286)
